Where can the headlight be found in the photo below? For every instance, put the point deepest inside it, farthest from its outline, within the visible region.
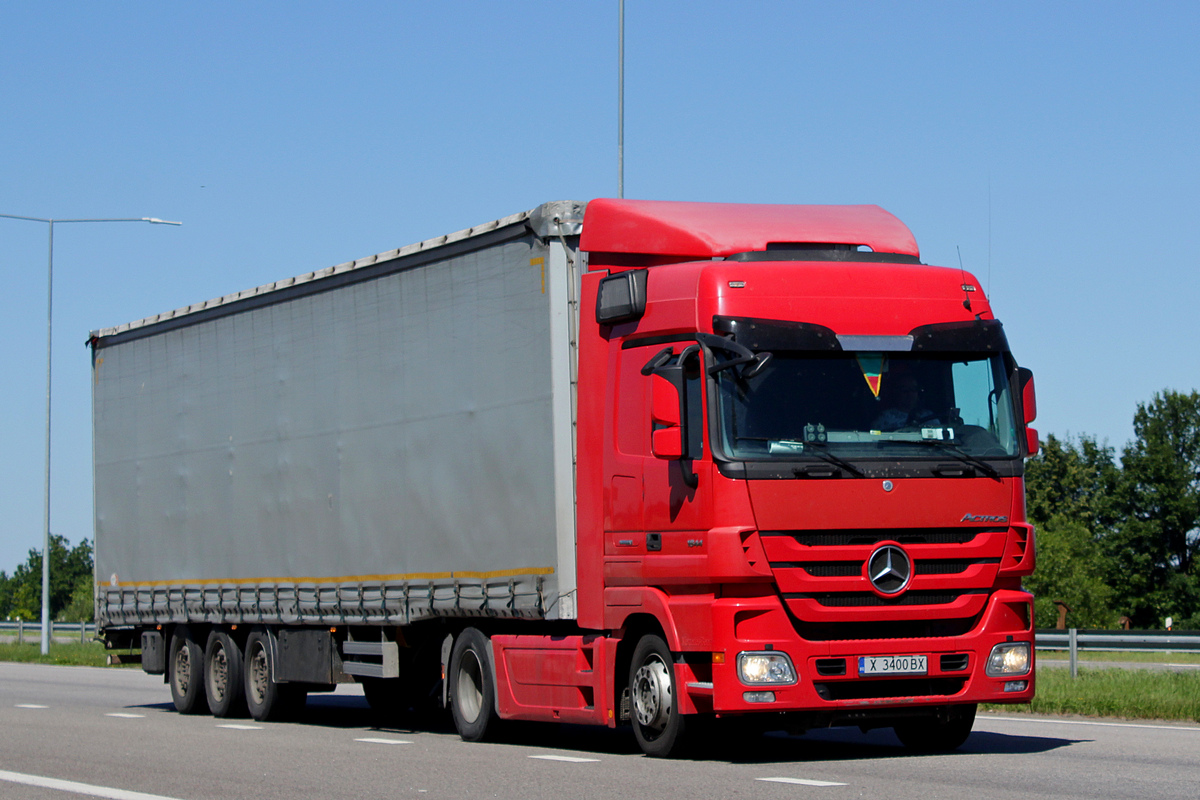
(1011, 658)
(757, 669)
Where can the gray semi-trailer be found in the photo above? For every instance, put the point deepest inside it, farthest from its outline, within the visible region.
(346, 448)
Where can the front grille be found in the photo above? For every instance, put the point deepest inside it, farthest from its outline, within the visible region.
(867, 599)
(949, 567)
(853, 569)
(822, 578)
(955, 662)
(829, 667)
(898, 629)
(905, 687)
(870, 536)
(833, 569)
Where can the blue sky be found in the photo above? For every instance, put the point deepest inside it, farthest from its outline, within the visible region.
(1053, 144)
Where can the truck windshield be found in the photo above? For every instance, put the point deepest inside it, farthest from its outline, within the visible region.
(868, 405)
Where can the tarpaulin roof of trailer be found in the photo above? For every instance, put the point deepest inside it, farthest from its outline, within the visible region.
(707, 230)
(555, 218)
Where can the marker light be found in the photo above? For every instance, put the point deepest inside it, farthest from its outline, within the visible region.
(765, 668)
(1011, 658)
(758, 697)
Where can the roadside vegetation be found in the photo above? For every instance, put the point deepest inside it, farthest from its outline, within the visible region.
(1108, 692)
(87, 654)
(1134, 657)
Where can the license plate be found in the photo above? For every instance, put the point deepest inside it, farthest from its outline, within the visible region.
(893, 665)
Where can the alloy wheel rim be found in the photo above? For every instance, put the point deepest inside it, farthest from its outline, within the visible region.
(470, 693)
(258, 675)
(183, 668)
(652, 694)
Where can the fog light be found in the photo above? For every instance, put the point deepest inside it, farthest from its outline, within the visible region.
(1015, 686)
(1011, 658)
(758, 697)
(765, 668)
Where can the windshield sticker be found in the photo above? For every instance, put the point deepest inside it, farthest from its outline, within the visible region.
(872, 365)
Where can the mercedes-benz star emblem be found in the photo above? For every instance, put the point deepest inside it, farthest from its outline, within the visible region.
(889, 569)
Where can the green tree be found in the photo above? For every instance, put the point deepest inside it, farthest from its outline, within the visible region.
(1155, 546)
(6, 595)
(68, 568)
(1071, 570)
(82, 606)
(1076, 481)
(1069, 497)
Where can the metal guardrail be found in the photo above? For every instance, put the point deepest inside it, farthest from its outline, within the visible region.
(1074, 640)
(32, 631)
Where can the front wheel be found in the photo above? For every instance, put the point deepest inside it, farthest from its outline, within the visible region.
(657, 723)
(939, 734)
(472, 691)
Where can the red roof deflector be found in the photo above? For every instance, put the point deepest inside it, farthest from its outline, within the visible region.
(706, 230)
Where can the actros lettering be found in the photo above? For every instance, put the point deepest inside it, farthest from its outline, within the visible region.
(983, 518)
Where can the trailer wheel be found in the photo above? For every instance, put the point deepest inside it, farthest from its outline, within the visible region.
(941, 734)
(223, 681)
(267, 700)
(472, 693)
(657, 723)
(185, 668)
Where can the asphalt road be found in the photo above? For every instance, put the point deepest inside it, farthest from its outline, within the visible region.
(113, 733)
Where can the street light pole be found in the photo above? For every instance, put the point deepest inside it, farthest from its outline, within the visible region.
(621, 100)
(49, 352)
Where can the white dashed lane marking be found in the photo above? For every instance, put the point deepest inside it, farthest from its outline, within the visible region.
(29, 705)
(87, 789)
(242, 727)
(1090, 722)
(383, 741)
(800, 782)
(568, 759)
(125, 716)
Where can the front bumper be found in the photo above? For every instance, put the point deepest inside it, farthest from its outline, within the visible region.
(828, 678)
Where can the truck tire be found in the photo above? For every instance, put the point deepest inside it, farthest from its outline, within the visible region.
(654, 700)
(472, 692)
(940, 734)
(185, 672)
(223, 679)
(266, 700)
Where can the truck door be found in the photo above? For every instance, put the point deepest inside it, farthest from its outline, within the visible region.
(652, 503)
(677, 491)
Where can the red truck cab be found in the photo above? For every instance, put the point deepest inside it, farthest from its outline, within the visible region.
(799, 473)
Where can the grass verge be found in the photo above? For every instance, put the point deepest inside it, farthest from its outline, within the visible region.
(87, 654)
(1128, 694)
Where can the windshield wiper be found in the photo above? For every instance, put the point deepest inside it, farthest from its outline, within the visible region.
(821, 451)
(956, 452)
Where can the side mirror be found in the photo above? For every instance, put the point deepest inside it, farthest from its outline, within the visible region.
(1028, 397)
(1029, 408)
(621, 297)
(666, 437)
(667, 443)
